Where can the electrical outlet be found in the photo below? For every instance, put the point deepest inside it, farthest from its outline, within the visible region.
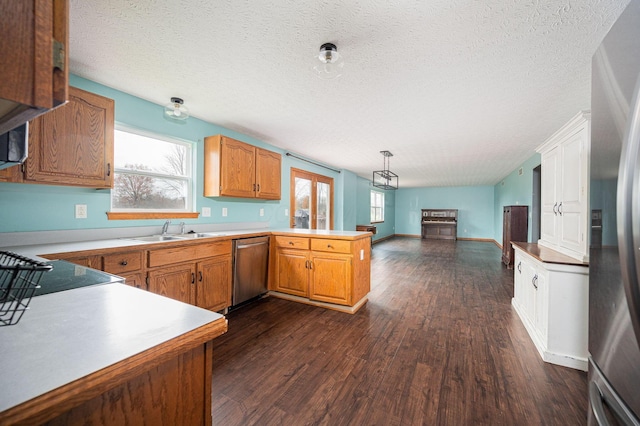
(206, 212)
(81, 211)
(261, 212)
(286, 212)
(224, 212)
(361, 254)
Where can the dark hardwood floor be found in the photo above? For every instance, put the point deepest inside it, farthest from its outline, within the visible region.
(438, 343)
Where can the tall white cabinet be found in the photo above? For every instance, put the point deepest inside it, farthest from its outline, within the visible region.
(565, 188)
(551, 278)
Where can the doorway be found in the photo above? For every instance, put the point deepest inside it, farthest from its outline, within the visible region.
(536, 204)
(311, 200)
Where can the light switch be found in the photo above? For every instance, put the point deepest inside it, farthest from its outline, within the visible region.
(224, 212)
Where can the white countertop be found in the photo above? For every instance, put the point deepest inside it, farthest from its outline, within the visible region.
(68, 335)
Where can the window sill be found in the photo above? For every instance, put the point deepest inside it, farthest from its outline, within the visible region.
(151, 215)
(373, 223)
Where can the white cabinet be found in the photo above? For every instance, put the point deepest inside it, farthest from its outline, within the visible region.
(552, 302)
(564, 189)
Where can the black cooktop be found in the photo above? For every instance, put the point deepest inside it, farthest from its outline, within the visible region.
(66, 276)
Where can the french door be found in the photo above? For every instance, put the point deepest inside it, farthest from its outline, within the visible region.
(311, 200)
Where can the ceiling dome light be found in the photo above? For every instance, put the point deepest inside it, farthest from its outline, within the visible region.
(331, 62)
(176, 110)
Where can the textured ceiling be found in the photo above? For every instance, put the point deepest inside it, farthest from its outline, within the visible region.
(460, 91)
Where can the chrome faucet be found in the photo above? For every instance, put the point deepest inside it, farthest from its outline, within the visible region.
(165, 227)
(182, 225)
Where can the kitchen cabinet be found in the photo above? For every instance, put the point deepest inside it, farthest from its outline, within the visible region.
(34, 42)
(237, 169)
(195, 273)
(551, 293)
(71, 145)
(515, 221)
(324, 270)
(564, 188)
(128, 265)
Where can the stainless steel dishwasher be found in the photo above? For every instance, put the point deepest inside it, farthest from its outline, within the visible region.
(250, 263)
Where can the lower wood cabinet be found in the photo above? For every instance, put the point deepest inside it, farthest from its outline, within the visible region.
(176, 282)
(322, 269)
(213, 283)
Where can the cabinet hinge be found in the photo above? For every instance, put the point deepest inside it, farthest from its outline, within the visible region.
(58, 55)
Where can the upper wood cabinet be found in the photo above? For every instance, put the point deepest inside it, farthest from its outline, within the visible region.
(34, 74)
(237, 169)
(565, 188)
(71, 145)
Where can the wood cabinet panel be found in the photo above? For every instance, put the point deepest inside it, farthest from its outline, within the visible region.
(73, 144)
(135, 280)
(120, 263)
(268, 174)
(176, 282)
(189, 252)
(292, 273)
(237, 169)
(174, 392)
(34, 84)
(292, 242)
(213, 289)
(332, 246)
(331, 278)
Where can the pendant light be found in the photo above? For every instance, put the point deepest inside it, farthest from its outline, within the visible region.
(176, 110)
(385, 179)
(331, 62)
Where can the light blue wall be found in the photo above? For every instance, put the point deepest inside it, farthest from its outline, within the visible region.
(515, 190)
(475, 206)
(383, 229)
(26, 207)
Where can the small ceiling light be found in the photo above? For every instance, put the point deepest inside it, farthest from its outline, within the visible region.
(176, 110)
(331, 62)
(385, 179)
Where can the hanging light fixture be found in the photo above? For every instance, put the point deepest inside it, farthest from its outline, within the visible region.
(176, 110)
(385, 179)
(331, 62)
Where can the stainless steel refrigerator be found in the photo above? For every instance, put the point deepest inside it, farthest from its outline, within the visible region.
(614, 259)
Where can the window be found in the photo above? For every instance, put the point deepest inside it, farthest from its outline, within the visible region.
(151, 173)
(377, 206)
(311, 196)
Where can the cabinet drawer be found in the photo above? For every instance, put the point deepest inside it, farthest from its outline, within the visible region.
(122, 262)
(292, 242)
(188, 253)
(332, 246)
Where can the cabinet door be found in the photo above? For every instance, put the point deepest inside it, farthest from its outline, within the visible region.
(518, 279)
(31, 82)
(73, 144)
(292, 273)
(572, 197)
(135, 280)
(549, 196)
(268, 171)
(176, 282)
(330, 278)
(541, 305)
(237, 169)
(213, 285)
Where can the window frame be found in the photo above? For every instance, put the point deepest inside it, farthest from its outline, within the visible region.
(373, 195)
(189, 178)
(314, 178)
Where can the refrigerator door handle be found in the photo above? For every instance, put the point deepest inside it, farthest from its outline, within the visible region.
(628, 211)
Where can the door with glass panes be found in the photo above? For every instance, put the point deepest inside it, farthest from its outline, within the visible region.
(311, 200)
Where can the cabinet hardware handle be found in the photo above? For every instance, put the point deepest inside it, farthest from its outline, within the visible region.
(560, 208)
(254, 187)
(193, 278)
(310, 265)
(108, 169)
(258, 187)
(290, 243)
(534, 281)
(200, 272)
(555, 209)
(306, 264)
(520, 267)
(329, 246)
(124, 263)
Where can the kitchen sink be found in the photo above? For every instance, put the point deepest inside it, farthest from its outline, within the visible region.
(200, 235)
(155, 238)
